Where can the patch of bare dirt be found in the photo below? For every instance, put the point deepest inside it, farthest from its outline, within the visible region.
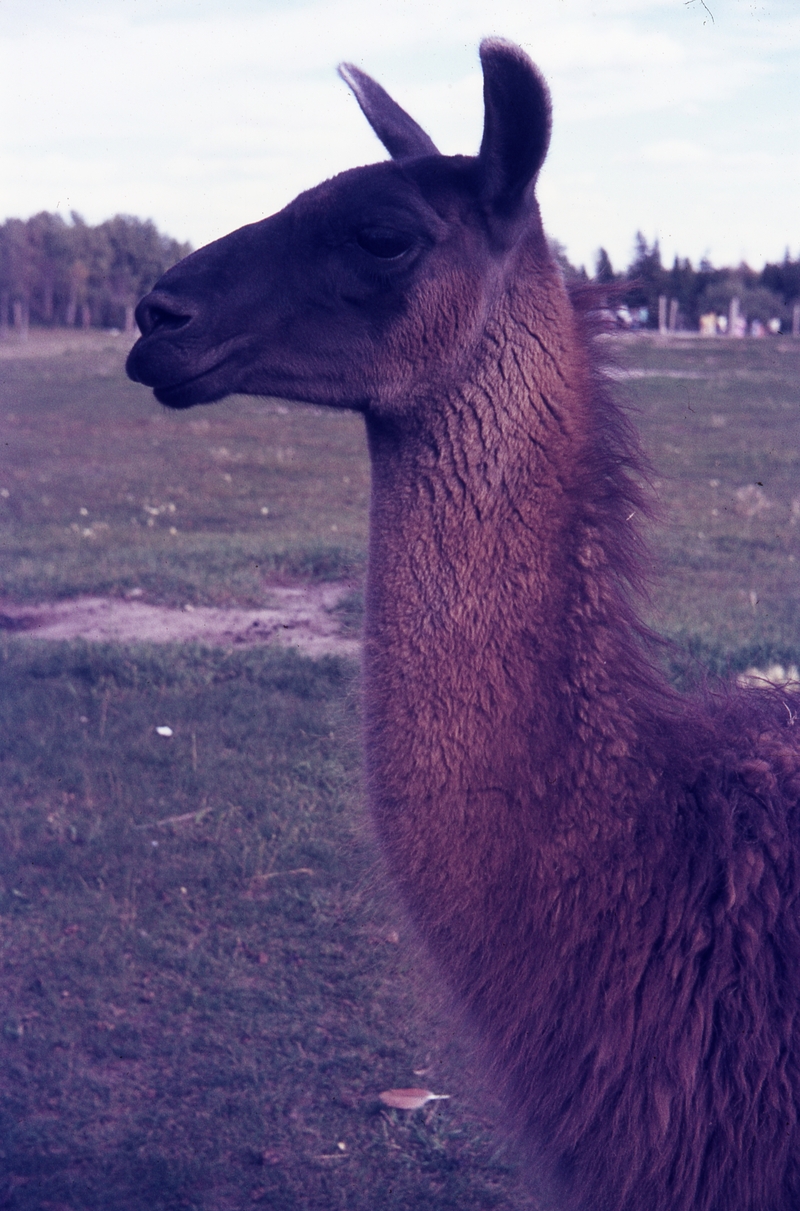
(304, 617)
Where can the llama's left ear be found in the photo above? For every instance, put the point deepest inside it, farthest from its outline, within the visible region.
(400, 134)
(516, 127)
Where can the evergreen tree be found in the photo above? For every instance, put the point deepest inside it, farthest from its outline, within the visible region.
(783, 279)
(604, 270)
(646, 277)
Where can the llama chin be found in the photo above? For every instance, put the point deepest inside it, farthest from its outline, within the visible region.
(605, 872)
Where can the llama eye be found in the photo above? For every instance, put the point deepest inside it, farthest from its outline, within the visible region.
(383, 242)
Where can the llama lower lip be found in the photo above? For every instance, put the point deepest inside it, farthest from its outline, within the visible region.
(149, 363)
(191, 391)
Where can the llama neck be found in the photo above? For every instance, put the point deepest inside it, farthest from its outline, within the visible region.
(493, 655)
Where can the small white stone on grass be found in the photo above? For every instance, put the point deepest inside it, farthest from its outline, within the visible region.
(410, 1099)
(164, 731)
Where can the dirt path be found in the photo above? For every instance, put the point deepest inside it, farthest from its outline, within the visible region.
(303, 617)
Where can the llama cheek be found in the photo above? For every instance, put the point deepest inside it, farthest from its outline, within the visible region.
(433, 340)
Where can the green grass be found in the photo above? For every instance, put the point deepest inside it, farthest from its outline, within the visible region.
(721, 423)
(108, 491)
(188, 1018)
(200, 1011)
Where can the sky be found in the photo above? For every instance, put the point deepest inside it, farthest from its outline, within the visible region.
(678, 118)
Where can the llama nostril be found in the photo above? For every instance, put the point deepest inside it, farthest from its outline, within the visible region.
(168, 319)
(155, 317)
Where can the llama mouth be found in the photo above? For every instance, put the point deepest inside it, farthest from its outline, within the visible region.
(153, 365)
(190, 392)
(195, 389)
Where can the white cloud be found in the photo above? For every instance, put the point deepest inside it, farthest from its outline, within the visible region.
(674, 151)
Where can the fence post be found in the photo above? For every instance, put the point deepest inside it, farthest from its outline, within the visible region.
(733, 317)
(673, 315)
(796, 320)
(662, 313)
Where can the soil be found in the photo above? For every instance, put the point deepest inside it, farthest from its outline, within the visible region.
(304, 617)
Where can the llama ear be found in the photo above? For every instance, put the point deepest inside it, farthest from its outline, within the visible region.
(516, 127)
(400, 134)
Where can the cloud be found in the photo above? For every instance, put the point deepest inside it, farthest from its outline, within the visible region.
(674, 151)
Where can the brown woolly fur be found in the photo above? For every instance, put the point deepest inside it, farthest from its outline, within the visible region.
(605, 872)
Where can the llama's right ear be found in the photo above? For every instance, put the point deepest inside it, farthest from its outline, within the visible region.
(516, 127)
(400, 134)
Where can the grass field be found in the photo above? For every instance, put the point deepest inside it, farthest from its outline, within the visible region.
(205, 983)
(108, 492)
(721, 424)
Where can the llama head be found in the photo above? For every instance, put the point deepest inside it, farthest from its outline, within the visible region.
(372, 288)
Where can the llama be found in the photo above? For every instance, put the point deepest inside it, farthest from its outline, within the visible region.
(604, 872)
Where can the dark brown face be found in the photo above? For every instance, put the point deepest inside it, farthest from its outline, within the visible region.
(347, 297)
(371, 289)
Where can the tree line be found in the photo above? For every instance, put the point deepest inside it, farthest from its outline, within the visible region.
(57, 273)
(764, 295)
